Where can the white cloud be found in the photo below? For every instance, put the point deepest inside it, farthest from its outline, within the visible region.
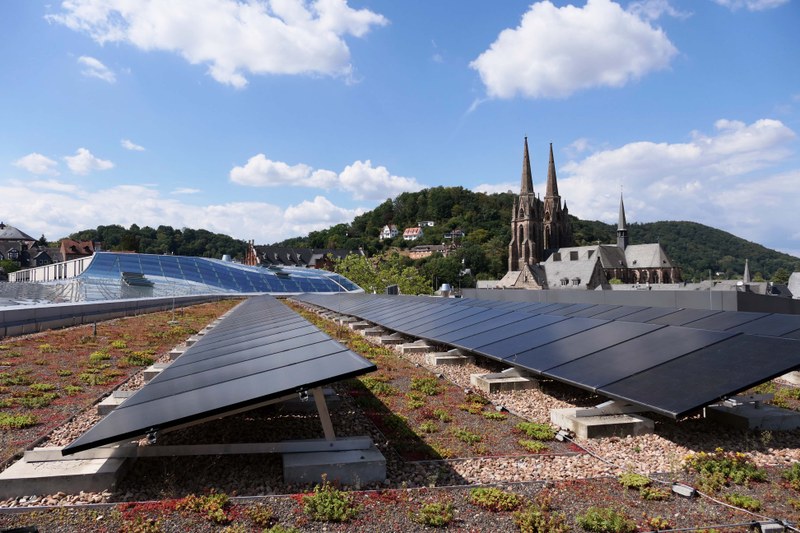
(360, 179)
(375, 183)
(262, 172)
(723, 180)
(555, 52)
(93, 68)
(317, 214)
(751, 5)
(493, 188)
(654, 9)
(130, 145)
(84, 162)
(185, 190)
(59, 209)
(233, 38)
(36, 163)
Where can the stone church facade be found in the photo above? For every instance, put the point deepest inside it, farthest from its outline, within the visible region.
(542, 255)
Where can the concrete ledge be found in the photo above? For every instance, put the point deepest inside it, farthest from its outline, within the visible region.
(153, 370)
(113, 401)
(376, 331)
(792, 377)
(394, 338)
(175, 353)
(355, 467)
(592, 427)
(419, 346)
(193, 339)
(358, 326)
(452, 357)
(755, 416)
(489, 383)
(70, 476)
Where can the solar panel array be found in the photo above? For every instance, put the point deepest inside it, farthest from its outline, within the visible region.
(670, 361)
(261, 351)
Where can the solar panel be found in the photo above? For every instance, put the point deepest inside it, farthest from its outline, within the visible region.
(570, 309)
(725, 321)
(446, 325)
(620, 313)
(646, 356)
(213, 378)
(683, 316)
(524, 342)
(650, 313)
(594, 310)
(681, 386)
(566, 348)
(775, 325)
(476, 340)
(633, 356)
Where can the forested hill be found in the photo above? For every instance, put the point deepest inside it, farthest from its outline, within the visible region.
(485, 218)
(164, 240)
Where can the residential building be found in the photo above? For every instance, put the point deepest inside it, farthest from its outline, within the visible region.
(412, 234)
(389, 231)
(278, 256)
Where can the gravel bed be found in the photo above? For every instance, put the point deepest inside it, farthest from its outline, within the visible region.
(661, 452)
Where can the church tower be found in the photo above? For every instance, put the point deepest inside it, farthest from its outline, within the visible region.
(526, 246)
(622, 226)
(556, 229)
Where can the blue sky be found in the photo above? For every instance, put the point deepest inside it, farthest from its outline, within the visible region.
(271, 118)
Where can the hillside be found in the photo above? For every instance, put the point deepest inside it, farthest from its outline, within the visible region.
(485, 218)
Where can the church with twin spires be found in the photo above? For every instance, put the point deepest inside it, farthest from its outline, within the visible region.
(542, 254)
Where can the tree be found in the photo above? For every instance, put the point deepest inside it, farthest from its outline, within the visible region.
(781, 276)
(376, 273)
(42, 241)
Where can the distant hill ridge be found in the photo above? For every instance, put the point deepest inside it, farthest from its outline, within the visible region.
(485, 218)
(486, 221)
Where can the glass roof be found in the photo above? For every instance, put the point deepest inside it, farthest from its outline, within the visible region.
(156, 275)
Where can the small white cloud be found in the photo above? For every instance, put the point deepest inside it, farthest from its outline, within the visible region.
(93, 68)
(36, 163)
(185, 190)
(232, 38)
(262, 172)
(655, 9)
(317, 214)
(360, 179)
(751, 5)
(493, 188)
(83, 162)
(375, 183)
(130, 145)
(555, 52)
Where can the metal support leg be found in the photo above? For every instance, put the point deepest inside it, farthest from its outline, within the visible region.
(324, 415)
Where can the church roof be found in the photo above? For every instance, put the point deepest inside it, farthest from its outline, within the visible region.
(552, 184)
(10, 233)
(575, 274)
(526, 186)
(647, 256)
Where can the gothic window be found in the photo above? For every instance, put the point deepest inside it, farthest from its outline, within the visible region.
(521, 212)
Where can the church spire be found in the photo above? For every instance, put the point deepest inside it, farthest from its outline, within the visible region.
(622, 226)
(527, 177)
(552, 185)
(746, 277)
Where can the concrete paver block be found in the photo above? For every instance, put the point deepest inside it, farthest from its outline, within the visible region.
(354, 467)
(592, 427)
